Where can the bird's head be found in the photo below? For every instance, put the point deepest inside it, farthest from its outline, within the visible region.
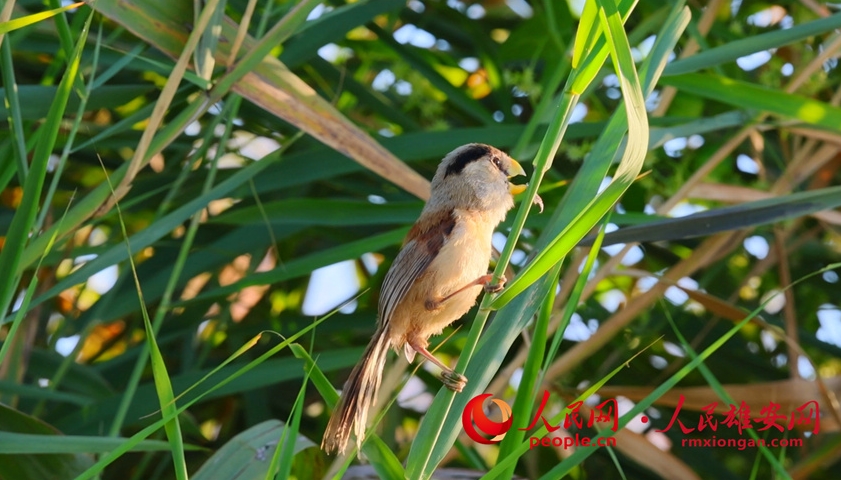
(476, 177)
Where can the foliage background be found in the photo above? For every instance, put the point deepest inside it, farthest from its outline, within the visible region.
(225, 246)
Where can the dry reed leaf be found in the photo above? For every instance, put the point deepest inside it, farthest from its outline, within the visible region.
(165, 25)
(735, 195)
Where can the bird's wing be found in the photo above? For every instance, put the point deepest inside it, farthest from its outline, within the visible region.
(420, 249)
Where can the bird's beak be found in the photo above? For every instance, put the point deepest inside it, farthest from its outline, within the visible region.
(516, 169)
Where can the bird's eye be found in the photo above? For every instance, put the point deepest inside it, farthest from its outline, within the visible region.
(496, 161)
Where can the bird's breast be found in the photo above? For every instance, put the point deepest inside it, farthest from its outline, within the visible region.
(464, 256)
(463, 259)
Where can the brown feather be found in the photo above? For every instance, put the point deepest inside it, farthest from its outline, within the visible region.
(358, 395)
(421, 247)
(439, 225)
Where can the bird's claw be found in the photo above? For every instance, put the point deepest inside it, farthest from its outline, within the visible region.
(496, 287)
(538, 201)
(454, 381)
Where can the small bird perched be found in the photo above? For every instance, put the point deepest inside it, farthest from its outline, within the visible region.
(435, 278)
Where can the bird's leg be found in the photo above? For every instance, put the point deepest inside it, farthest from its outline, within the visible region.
(451, 379)
(484, 281)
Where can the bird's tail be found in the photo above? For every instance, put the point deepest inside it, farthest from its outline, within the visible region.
(359, 394)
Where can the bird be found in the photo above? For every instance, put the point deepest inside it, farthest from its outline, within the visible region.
(435, 278)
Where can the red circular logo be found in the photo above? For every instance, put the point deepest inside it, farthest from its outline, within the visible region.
(477, 425)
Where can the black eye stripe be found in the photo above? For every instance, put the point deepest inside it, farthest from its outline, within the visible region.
(466, 156)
